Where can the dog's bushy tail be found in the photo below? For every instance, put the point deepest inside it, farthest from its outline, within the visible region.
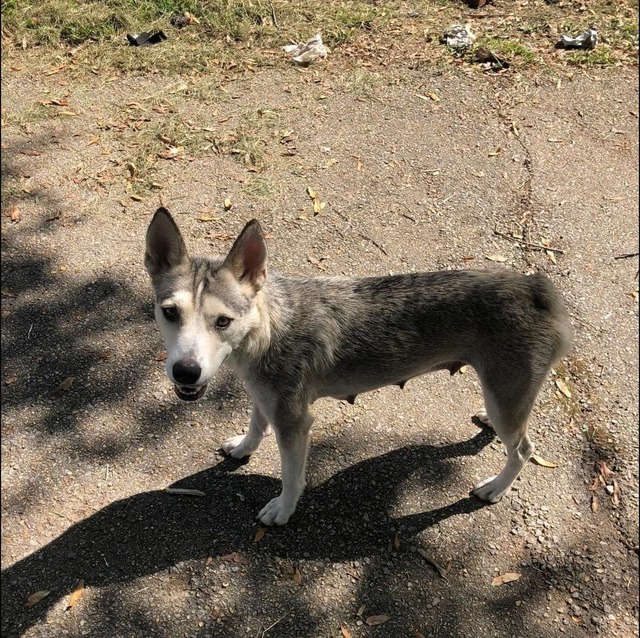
(549, 303)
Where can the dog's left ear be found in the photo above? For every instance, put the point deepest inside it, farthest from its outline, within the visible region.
(247, 259)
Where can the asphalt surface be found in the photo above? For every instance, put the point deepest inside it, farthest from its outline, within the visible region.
(386, 541)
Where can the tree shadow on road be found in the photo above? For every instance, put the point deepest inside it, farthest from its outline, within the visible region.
(344, 518)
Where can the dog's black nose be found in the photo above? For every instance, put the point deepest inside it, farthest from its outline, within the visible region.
(186, 372)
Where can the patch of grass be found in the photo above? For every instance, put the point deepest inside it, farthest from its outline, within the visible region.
(600, 56)
(259, 187)
(361, 81)
(237, 34)
(511, 50)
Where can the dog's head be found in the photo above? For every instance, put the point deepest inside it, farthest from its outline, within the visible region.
(205, 308)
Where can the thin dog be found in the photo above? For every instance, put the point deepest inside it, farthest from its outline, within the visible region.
(293, 340)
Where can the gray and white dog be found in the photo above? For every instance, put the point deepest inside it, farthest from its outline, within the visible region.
(294, 340)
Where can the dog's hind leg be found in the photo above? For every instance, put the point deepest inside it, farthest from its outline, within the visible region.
(293, 442)
(246, 444)
(508, 406)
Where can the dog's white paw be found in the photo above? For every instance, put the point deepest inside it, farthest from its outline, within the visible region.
(236, 446)
(276, 512)
(483, 417)
(490, 490)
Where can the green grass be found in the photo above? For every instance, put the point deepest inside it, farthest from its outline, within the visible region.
(244, 34)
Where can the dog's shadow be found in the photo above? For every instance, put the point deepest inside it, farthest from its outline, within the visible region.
(345, 517)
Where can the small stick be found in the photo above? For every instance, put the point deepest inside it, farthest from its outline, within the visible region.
(273, 16)
(375, 243)
(276, 622)
(528, 243)
(626, 255)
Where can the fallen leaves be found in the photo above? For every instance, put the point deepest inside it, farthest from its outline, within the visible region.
(502, 579)
(75, 596)
(497, 258)
(260, 534)
(379, 619)
(433, 563)
(538, 460)
(345, 632)
(14, 214)
(563, 387)
(34, 599)
(318, 206)
(66, 384)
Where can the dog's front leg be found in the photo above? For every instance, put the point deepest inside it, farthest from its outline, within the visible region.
(246, 444)
(293, 443)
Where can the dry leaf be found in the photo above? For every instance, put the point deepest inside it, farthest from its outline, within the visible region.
(603, 470)
(538, 460)
(8, 293)
(615, 498)
(161, 357)
(318, 206)
(185, 491)
(297, 576)
(36, 598)
(419, 634)
(66, 384)
(136, 198)
(77, 592)
(227, 204)
(207, 218)
(595, 505)
(15, 214)
(563, 387)
(494, 153)
(312, 194)
(361, 610)
(10, 380)
(259, 534)
(331, 162)
(552, 257)
(498, 258)
(377, 620)
(434, 97)
(436, 566)
(345, 632)
(505, 578)
(396, 543)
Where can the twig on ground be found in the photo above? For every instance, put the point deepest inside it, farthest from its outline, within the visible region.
(375, 243)
(271, 626)
(528, 243)
(273, 16)
(626, 255)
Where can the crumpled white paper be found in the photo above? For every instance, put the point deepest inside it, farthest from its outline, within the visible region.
(305, 52)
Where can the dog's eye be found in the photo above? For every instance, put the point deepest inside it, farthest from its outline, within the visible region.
(170, 313)
(223, 322)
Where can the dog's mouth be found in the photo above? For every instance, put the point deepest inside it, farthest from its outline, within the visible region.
(190, 393)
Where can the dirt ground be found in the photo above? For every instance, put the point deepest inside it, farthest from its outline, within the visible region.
(417, 171)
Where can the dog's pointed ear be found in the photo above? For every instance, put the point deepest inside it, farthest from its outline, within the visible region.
(165, 247)
(247, 259)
